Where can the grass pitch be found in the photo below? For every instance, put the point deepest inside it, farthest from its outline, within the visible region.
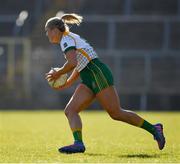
(36, 136)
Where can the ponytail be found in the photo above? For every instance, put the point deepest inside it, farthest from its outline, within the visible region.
(72, 19)
(61, 23)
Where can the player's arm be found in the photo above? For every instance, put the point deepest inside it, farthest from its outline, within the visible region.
(70, 64)
(72, 78)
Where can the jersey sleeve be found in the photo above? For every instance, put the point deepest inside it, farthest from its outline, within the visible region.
(67, 44)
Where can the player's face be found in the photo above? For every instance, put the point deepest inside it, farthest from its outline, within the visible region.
(53, 35)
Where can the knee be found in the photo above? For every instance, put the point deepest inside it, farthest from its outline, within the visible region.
(66, 112)
(69, 112)
(116, 115)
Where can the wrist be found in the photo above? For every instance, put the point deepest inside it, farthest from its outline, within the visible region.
(59, 72)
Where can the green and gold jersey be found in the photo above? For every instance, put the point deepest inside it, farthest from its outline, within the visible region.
(85, 52)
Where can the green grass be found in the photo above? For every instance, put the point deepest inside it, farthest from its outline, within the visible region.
(36, 136)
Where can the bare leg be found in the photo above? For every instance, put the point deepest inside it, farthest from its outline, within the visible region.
(109, 100)
(81, 98)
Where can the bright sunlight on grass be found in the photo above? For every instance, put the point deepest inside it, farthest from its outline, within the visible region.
(35, 136)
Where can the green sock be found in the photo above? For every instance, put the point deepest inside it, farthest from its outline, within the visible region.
(149, 127)
(77, 135)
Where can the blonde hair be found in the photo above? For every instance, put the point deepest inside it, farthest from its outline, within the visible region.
(61, 22)
(72, 19)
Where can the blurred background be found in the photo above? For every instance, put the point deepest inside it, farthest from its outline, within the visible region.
(138, 39)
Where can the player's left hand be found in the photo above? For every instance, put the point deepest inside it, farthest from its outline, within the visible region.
(52, 76)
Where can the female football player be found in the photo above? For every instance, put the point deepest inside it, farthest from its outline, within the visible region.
(97, 83)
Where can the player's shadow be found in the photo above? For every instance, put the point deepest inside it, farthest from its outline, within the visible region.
(139, 156)
(126, 156)
(95, 154)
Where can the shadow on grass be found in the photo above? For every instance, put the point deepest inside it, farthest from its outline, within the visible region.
(95, 154)
(139, 156)
(125, 156)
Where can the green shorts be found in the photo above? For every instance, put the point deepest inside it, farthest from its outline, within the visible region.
(96, 76)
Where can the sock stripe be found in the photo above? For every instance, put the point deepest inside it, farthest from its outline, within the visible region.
(76, 129)
(141, 123)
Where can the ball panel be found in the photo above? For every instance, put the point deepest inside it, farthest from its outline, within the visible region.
(60, 81)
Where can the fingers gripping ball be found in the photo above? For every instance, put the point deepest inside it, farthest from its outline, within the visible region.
(58, 82)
